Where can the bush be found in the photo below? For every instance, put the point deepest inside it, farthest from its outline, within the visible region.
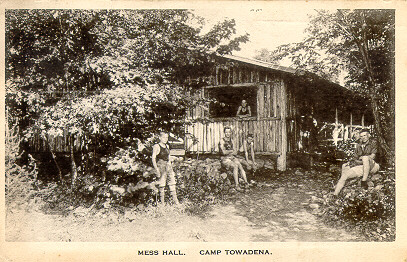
(371, 211)
(202, 182)
(20, 184)
(20, 181)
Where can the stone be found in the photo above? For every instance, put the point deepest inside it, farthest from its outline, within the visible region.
(140, 185)
(80, 211)
(118, 190)
(378, 187)
(298, 172)
(376, 177)
(223, 175)
(314, 206)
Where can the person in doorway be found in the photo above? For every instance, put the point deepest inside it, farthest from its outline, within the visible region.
(229, 158)
(362, 164)
(244, 110)
(163, 166)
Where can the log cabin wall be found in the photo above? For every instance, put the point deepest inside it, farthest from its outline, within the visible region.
(268, 126)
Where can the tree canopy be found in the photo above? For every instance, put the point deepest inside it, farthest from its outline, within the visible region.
(355, 47)
(109, 75)
(53, 55)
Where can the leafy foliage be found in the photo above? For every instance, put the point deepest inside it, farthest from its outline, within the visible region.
(112, 77)
(372, 212)
(355, 47)
(20, 181)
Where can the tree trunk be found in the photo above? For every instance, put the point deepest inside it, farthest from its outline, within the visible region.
(387, 150)
(363, 47)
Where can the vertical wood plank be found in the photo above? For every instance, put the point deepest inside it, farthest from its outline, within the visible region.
(268, 101)
(270, 141)
(261, 133)
(278, 98)
(273, 136)
(256, 136)
(282, 159)
(204, 135)
(196, 135)
(217, 76)
(260, 101)
(350, 127)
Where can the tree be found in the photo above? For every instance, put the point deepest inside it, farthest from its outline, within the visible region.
(109, 75)
(359, 43)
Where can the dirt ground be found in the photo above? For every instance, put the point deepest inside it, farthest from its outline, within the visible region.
(278, 208)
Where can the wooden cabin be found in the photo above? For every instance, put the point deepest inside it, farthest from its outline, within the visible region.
(282, 101)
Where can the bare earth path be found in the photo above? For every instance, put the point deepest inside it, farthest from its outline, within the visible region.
(279, 208)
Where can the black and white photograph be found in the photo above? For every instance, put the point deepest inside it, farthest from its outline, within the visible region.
(250, 124)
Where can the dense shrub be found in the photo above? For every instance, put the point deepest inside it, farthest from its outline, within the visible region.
(20, 181)
(130, 180)
(371, 211)
(20, 184)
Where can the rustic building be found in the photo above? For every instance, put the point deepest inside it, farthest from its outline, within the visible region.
(282, 100)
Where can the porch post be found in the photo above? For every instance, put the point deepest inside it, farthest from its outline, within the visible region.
(282, 158)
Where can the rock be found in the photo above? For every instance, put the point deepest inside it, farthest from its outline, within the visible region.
(280, 190)
(298, 172)
(378, 187)
(376, 177)
(314, 206)
(152, 187)
(80, 211)
(118, 190)
(223, 175)
(140, 185)
(147, 173)
(106, 204)
(327, 174)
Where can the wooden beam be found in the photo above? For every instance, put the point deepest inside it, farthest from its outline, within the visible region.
(350, 126)
(217, 76)
(282, 158)
(235, 85)
(235, 75)
(260, 102)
